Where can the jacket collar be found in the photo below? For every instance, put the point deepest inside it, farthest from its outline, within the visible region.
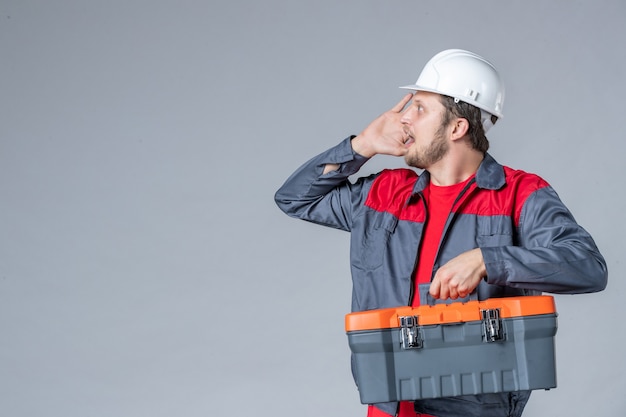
(490, 175)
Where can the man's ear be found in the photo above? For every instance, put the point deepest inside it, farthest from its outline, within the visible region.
(460, 128)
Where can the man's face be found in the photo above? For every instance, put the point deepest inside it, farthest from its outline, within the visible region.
(427, 138)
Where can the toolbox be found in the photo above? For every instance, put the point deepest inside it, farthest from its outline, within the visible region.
(447, 350)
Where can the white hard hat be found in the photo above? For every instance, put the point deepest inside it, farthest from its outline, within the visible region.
(464, 76)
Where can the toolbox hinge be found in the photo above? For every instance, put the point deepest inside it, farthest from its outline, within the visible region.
(492, 325)
(410, 332)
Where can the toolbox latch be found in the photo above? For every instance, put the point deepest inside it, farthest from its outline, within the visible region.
(492, 325)
(410, 332)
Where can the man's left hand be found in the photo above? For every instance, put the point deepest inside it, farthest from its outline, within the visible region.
(459, 276)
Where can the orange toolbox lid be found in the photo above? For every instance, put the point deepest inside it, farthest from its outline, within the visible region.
(451, 313)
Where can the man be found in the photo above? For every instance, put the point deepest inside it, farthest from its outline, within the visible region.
(466, 228)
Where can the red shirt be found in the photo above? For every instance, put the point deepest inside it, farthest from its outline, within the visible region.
(439, 200)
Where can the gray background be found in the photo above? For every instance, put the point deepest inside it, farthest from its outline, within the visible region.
(144, 268)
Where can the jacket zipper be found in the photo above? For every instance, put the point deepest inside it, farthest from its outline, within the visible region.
(451, 217)
(419, 247)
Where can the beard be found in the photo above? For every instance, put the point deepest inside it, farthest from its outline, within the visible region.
(423, 158)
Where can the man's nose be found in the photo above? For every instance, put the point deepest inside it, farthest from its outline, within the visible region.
(407, 116)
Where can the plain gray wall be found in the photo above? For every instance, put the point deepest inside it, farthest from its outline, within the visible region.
(144, 268)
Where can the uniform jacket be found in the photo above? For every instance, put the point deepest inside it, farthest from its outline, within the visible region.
(529, 240)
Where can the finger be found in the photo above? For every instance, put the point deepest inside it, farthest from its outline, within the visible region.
(398, 107)
(435, 288)
(463, 291)
(444, 292)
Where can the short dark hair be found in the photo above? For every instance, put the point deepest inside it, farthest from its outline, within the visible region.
(457, 108)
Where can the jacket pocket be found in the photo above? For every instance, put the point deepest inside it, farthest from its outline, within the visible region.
(375, 240)
(494, 231)
(486, 241)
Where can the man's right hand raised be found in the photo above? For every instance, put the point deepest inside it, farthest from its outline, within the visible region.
(384, 135)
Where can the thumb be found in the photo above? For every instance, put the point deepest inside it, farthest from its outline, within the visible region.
(435, 288)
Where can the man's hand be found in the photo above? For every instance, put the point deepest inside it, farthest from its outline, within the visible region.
(384, 135)
(459, 276)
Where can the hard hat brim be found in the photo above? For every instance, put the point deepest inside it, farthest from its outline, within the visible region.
(415, 87)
